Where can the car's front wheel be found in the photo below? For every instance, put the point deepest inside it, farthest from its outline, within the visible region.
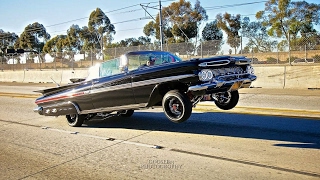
(226, 100)
(75, 120)
(176, 106)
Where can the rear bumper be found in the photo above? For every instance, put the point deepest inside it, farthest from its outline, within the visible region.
(58, 109)
(233, 84)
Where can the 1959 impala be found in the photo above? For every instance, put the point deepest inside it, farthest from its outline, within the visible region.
(144, 79)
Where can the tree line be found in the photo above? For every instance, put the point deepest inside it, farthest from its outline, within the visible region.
(181, 22)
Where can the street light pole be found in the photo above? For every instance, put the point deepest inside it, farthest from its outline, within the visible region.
(161, 34)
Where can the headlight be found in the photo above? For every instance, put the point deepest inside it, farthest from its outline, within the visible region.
(205, 75)
(209, 75)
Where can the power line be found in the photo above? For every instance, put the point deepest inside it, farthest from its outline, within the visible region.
(130, 11)
(232, 5)
(110, 12)
(104, 12)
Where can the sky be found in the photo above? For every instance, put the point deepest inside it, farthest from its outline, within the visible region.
(128, 16)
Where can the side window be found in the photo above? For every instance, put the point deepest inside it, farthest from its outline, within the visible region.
(134, 62)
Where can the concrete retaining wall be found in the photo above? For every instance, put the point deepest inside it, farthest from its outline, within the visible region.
(277, 77)
(269, 77)
(33, 76)
(12, 76)
(302, 76)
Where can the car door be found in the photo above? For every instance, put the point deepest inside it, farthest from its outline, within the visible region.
(113, 88)
(112, 91)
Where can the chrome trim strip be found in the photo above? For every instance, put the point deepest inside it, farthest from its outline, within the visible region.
(110, 88)
(240, 60)
(115, 108)
(73, 93)
(214, 63)
(198, 88)
(243, 62)
(159, 80)
(140, 83)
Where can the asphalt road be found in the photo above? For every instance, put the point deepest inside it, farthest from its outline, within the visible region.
(210, 145)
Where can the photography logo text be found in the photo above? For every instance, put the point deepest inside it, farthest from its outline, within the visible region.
(161, 164)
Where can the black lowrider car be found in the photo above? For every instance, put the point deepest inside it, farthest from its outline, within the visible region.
(145, 79)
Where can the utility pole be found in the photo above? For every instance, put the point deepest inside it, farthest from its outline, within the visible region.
(161, 34)
(160, 14)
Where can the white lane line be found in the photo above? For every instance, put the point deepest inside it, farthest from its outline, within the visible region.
(103, 138)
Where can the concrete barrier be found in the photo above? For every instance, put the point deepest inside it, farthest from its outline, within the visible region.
(302, 77)
(269, 77)
(12, 76)
(276, 77)
(42, 76)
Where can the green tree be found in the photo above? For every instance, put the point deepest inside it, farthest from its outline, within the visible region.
(30, 37)
(212, 32)
(150, 29)
(7, 39)
(88, 39)
(131, 42)
(73, 38)
(231, 25)
(56, 45)
(213, 38)
(99, 24)
(180, 22)
(257, 35)
(283, 17)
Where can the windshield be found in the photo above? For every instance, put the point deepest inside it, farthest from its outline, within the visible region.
(131, 61)
(110, 67)
(150, 58)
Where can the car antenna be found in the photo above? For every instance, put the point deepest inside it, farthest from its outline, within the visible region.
(58, 85)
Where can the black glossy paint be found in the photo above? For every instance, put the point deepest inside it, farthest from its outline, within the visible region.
(127, 88)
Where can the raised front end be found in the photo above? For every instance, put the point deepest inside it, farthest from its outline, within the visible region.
(225, 75)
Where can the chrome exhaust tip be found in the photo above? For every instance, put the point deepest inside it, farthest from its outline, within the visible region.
(38, 110)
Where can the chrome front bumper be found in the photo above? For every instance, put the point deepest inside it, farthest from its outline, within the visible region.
(233, 84)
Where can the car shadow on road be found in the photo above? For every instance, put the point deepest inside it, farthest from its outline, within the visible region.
(294, 132)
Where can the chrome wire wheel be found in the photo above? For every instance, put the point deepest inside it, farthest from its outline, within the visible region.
(176, 106)
(75, 120)
(226, 100)
(223, 98)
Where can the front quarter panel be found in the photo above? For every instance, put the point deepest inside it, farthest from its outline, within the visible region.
(145, 80)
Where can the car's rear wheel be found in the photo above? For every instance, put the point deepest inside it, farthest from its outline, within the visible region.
(75, 120)
(226, 100)
(126, 113)
(176, 106)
